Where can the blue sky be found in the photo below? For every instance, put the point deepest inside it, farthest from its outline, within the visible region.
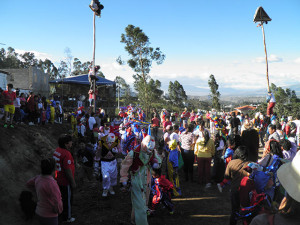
(198, 37)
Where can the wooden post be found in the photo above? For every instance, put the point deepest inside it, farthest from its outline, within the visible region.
(263, 32)
(94, 48)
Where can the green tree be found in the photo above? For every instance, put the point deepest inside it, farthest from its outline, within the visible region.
(177, 93)
(11, 59)
(48, 67)
(121, 83)
(142, 56)
(29, 60)
(63, 70)
(77, 67)
(215, 94)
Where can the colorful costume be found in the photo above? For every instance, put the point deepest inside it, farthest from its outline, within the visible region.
(161, 188)
(52, 111)
(137, 165)
(172, 163)
(108, 147)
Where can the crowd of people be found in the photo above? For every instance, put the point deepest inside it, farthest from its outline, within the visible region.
(224, 146)
(31, 108)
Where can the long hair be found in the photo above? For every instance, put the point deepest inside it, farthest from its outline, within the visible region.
(275, 149)
(241, 153)
(206, 137)
(250, 139)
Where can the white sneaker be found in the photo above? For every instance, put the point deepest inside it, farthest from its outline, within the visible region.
(105, 192)
(220, 187)
(30, 123)
(111, 191)
(71, 220)
(208, 185)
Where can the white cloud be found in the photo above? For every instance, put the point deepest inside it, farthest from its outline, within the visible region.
(271, 58)
(203, 87)
(274, 58)
(38, 55)
(297, 60)
(194, 74)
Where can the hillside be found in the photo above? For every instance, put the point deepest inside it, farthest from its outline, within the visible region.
(21, 150)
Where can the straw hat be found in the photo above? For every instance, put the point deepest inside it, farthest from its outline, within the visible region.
(289, 176)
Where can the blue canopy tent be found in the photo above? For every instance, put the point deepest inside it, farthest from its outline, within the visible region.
(82, 79)
(74, 87)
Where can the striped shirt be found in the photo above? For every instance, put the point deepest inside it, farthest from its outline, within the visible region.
(186, 139)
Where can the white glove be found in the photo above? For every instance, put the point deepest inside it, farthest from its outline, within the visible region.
(115, 150)
(155, 166)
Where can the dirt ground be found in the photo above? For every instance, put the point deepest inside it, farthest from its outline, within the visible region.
(21, 150)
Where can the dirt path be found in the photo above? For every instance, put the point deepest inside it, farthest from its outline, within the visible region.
(197, 206)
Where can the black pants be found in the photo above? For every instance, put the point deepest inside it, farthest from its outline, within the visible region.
(235, 206)
(188, 159)
(67, 199)
(155, 132)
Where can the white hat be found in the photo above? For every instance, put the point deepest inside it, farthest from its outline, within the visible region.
(111, 138)
(149, 142)
(289, 176)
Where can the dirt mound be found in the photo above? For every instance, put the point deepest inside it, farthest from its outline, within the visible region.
(21, 149)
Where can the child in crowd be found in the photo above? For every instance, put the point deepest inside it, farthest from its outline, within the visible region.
(166, 123)
(256, 194)
(161, 192)
(173, 164)
(227, 158)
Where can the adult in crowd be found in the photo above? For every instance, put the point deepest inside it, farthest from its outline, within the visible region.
(155, 126)
(273, 133)
(271, 103)
(9, 97)
(137, 165)
(108, 147)
(187, 150)
(250, 138)
(235, 172)
(289, 209)
(207, 115)
(65, 170)
(205, 150)
(234, 124)
(297, 122)
(49, 203)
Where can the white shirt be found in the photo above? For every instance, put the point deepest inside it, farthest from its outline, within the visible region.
(297, 122)
(17, 103)
(92, 121)
(81, 130)
(221, 145)
(272, 99)
(174, 136)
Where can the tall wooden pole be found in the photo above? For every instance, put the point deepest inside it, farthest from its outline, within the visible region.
(94, 48)
(263, 32)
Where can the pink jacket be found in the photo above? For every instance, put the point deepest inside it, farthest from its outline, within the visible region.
(48, 194)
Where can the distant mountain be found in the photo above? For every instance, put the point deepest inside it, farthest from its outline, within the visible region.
(203, 91)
